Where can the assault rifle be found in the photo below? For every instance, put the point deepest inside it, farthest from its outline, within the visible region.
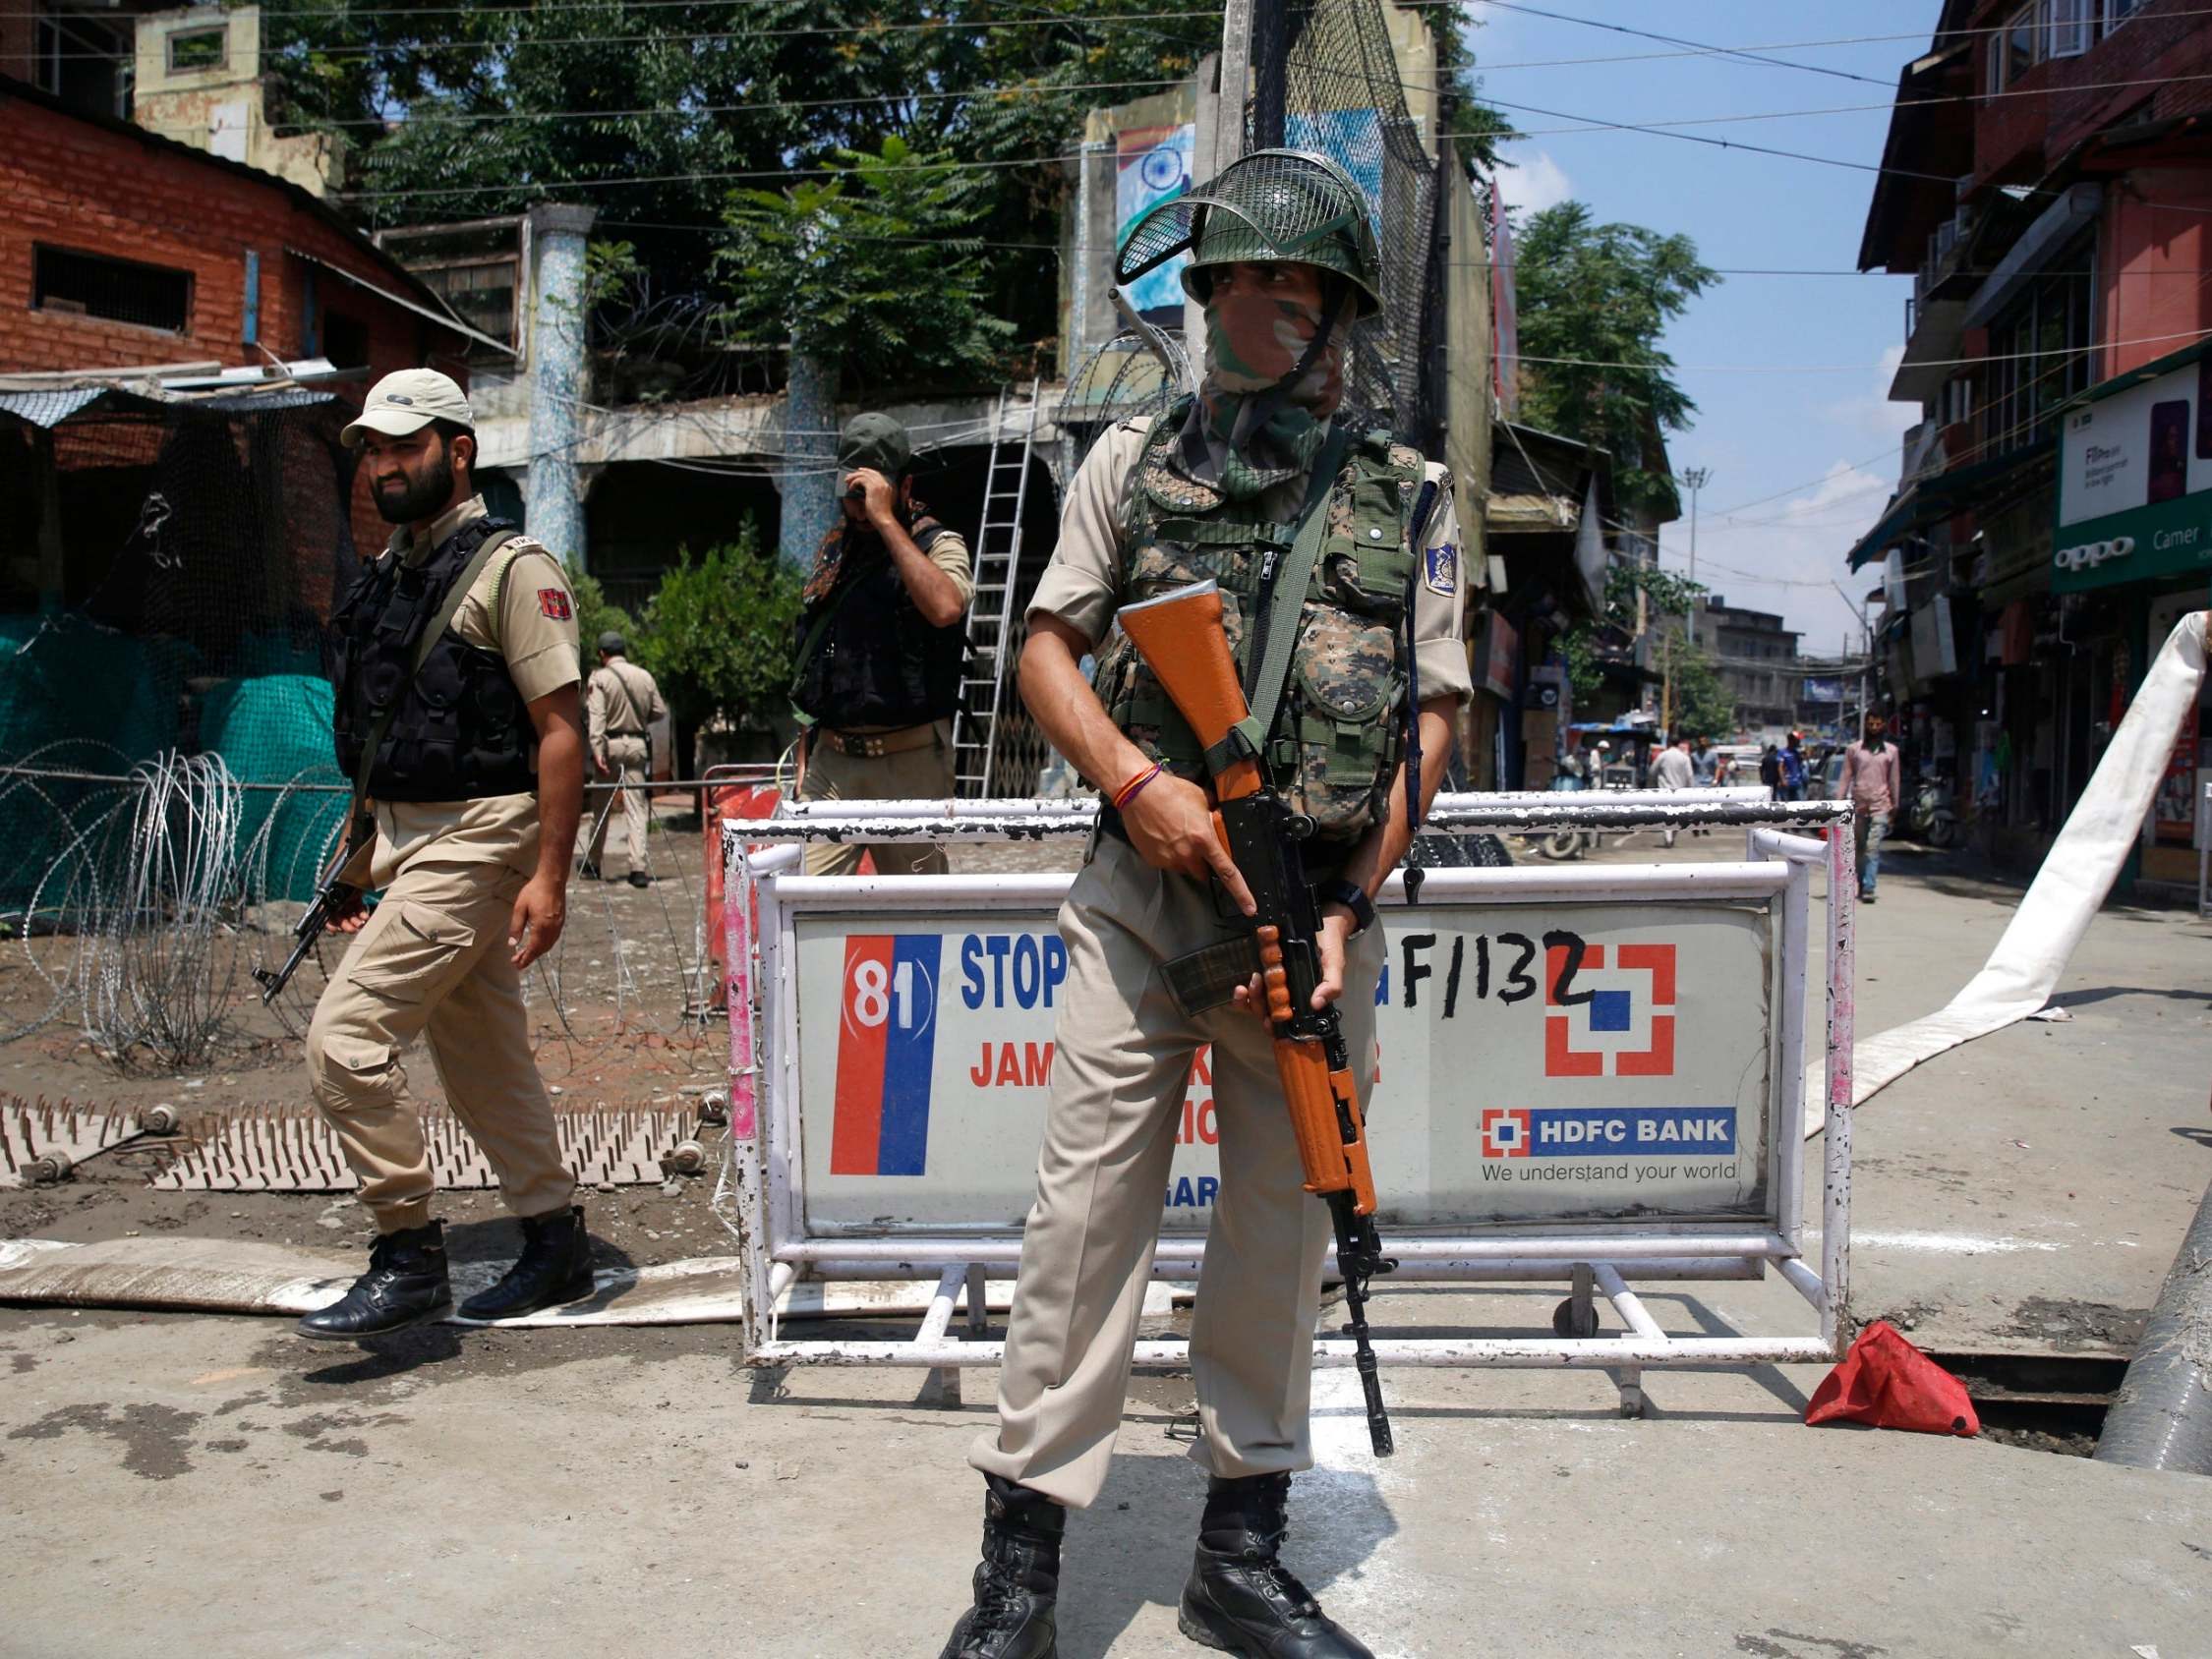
(1180, 636)
(331, 897)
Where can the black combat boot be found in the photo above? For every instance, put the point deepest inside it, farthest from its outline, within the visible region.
(1018, 1577)
(405, 1285)
(554, 1267)
(1241, 1598)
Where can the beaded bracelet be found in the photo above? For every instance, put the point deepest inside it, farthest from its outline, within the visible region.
(1129, 792)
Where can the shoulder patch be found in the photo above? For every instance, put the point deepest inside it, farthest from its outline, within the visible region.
(1440, 569)
(553, 602)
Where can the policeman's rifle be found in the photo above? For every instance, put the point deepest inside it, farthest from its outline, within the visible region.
(1179, 636)
(332, 897)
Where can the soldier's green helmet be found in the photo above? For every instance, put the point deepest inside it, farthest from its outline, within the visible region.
(1280, 206)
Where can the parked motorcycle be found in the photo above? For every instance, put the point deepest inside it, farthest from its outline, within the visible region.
(1929, 815)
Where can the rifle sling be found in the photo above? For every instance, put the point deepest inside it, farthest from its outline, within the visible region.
(1267, 674)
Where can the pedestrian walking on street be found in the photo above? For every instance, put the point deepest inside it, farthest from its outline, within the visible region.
(457, 719)
(1704, 770)
(1674, 770)
(621, 703)
(879, 647)
(1284, 263)
(1872, 782)
(1770, 769)
(1792, 769)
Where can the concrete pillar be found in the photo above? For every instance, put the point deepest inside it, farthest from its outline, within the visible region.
(808, 482)
(555, 489)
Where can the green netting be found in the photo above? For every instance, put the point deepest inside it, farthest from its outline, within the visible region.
(275, 729)
(74, 697)
(63, 677)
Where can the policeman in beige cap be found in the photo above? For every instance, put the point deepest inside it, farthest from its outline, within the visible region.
(458, 722)
(879, 644)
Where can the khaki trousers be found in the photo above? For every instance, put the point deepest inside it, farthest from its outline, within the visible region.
(629, 758)
(1121, 1061)
(912, 775)
(432, 962)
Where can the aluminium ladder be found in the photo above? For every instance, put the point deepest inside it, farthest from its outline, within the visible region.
(990, 617)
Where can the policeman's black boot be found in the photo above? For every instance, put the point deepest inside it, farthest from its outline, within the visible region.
(1241, 1598)
(1017, 1580)
(587, 871)
(405, 1285)
(554, 1267)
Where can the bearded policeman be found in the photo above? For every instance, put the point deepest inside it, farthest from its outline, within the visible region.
(457, 718)
(1284, 261)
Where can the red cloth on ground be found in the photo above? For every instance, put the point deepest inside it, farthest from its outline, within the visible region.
(1888, 1383)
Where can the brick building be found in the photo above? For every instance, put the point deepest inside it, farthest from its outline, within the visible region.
(2050, 194)
(120, 248)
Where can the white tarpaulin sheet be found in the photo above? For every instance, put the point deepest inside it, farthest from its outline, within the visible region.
(2105, 827)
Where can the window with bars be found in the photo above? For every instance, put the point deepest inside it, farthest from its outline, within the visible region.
(79, 284)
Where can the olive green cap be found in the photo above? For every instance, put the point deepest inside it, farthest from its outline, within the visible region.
(876, 442)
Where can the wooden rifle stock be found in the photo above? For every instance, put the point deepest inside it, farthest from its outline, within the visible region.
(1181, 639)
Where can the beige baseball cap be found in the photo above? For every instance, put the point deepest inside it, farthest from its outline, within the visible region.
(407, 401)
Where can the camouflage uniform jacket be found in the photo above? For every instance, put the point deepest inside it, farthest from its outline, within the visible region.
(1340, 727)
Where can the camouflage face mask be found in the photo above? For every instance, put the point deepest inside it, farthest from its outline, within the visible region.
(1254, 345)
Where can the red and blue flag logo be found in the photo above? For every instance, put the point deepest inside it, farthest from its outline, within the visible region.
(887, 1047)
(1609, 1021)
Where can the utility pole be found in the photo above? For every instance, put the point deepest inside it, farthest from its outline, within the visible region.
(1696, 477)
(1236, 80)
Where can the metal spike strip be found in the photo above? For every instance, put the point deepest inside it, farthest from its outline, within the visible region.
(34, 1129)
(289, 1149)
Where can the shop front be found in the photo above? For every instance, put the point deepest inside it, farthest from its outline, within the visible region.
(2132, 555)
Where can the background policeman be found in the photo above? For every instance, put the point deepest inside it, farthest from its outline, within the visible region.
(880, 649)
(621, 703)
(474, 769)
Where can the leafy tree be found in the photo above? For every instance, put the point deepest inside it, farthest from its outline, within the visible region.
(1699, 699)
(718, 636)
(877, 272)
(1603, 295)
(647, 108)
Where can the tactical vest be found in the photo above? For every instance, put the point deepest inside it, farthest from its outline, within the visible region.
(461, 730)
(1340, 729)
(875, 661)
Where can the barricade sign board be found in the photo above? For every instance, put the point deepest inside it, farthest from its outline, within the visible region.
(1582, 1075)
(1549, 1062)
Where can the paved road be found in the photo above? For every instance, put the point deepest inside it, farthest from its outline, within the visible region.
(176, 1484)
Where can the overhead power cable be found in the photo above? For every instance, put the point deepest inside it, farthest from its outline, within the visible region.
(1746, 54)
(692, 112)
(1838, 367)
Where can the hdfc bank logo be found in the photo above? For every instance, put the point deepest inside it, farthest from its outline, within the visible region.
(1609, 1020)
(1505, 1133)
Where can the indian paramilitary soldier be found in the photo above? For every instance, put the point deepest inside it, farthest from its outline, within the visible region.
(880, 649)
(622, 700)
(1284, 261)
(454, 658)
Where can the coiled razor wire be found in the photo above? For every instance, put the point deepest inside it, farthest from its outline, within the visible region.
(141, 895)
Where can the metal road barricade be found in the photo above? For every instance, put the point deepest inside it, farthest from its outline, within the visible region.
(1587, 1075)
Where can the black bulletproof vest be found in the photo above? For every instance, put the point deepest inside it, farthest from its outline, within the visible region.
(878, 661)
(460, 729)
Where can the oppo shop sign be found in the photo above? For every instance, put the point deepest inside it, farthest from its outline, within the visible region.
(2136, 483)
